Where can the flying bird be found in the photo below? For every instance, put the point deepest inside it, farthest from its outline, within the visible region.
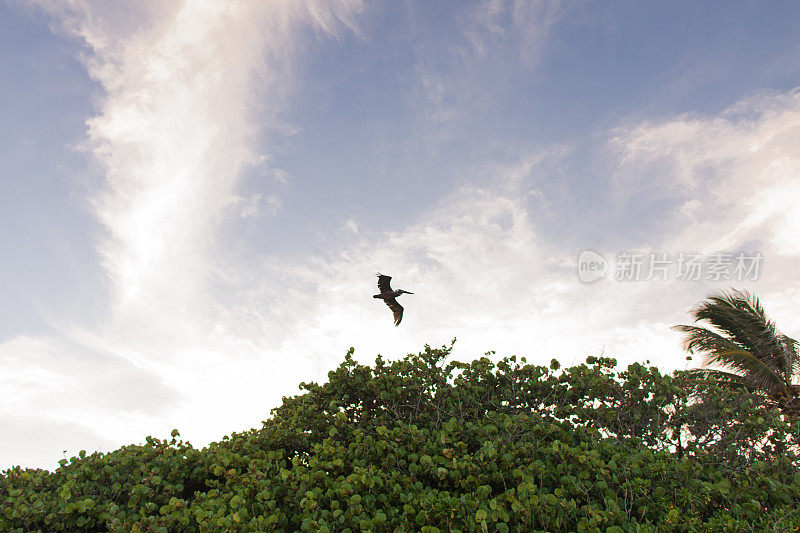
(389, 296)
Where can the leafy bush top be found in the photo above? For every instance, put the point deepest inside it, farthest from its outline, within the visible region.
(431, 445)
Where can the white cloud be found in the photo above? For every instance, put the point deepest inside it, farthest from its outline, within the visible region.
(256, 204)
(351, 225)
(722, 183)
(174, 129)
(279, 175)
(727, 180)
(70, 396)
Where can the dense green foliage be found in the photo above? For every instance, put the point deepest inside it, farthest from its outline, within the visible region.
(747, 348)
(431, 445)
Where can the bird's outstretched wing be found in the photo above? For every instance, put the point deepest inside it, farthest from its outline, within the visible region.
(383, 284)
(396, 308)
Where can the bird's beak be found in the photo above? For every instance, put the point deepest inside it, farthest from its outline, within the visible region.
(409, 292)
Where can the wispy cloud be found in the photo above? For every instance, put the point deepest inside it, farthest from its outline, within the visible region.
(523, 23)
(453, 73)
(187, 87)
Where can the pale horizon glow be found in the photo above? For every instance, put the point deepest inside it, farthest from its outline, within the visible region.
(196, 195)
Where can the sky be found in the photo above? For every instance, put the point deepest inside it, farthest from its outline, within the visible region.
(195, 195)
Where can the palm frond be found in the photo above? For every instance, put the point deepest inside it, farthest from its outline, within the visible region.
(792, 348)
(740, 316)
(725, 353)
(706, 375)
(774, 346)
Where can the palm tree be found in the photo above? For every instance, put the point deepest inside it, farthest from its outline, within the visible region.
(746, 347)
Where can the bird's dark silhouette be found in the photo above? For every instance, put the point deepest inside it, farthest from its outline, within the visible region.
(390, 297)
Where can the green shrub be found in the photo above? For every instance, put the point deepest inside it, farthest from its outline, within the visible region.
(422, 444)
